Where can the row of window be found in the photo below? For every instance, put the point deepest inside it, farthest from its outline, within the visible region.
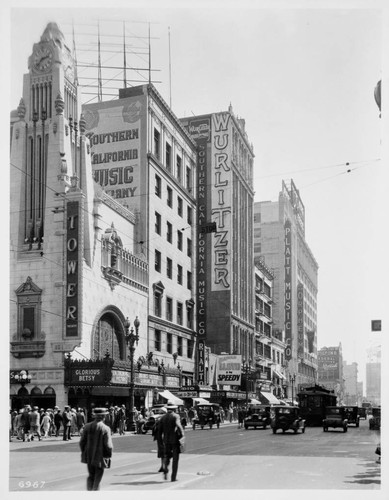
(177, 168)
(169, 200)
(169, 270)
(169, 234)
(158, 300)
(170, 348)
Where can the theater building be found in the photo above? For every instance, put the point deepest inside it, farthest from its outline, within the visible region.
(279, 239)
(80, 247)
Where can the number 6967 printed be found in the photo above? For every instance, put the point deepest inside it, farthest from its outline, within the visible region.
(31, 484)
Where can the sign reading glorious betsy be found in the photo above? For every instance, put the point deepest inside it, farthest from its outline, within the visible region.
(229, 369)
(72, 268)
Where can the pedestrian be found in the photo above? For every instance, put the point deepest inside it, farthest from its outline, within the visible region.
(140, 423)
(240, 417)
(57, 420)
(45, 424)
(66, 422)
(122, 420)
(230, 413)
(157, 436)
(80, 420)
(110, 419)
(172, 431)
(34, 418)
(96, 447)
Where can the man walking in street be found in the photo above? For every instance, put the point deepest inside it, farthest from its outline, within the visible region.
(171, 432)
(96, 447)
(67, 422)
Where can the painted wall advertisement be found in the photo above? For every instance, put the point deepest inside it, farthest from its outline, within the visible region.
(229, 369)
(114, 133)
(288, 288)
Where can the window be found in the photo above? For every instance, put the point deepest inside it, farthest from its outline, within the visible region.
(169, 268)
(169, 197)
(189, 348)
(158, 186)
(156, 143)
(158, 261)
(179, 346)
(189, 280)
(168, 157)
(189, 316)
(179, 313)
(179, 206)
(157, 340)
(29, 312)
(179, 274)
(188, 179)
(157, 223)
(189, 247)
(169, 308)
(179, 240)
(190, 216)
(157, 304)
(169, 232)
(179, 168)
(169, 343)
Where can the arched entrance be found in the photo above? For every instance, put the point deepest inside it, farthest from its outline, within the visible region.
(109, 336)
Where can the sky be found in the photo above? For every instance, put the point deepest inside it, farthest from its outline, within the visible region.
(303, 79)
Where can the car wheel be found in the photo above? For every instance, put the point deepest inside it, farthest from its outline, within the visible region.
(303, 430)
(274, 431)
(357, 424)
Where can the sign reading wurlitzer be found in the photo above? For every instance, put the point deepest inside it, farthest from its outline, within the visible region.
(72, 268)
(288, 289)
(229, 369)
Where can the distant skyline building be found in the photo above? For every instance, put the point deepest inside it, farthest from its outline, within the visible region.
(350, 376)
(279, 238)
(330, 370)
(373, 374)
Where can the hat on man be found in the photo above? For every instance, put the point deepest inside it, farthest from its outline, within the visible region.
(56, 408)
(171, 406)
(163, 409)
(99, 411)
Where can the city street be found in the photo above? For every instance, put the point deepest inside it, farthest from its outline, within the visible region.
(225, 458)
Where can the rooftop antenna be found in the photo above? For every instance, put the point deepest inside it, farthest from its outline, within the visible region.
(75, 58)
(124, 56)
(170, 73)
(149, 57)
(100, 85)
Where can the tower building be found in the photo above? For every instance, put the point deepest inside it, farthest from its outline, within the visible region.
(279, 239)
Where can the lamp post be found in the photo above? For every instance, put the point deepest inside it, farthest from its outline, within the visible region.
(22, 377)
(247, 368)
(131, 338)
(292, 379)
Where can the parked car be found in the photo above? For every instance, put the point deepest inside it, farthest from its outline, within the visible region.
(375, 419)
(362, 413)
(207, 414)
(285, 418)
(352, 415)
(335, 417)
(259, 417)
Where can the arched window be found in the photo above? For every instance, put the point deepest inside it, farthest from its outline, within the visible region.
(22, 392)
(35, 391)
(49, 391)
(108, 337)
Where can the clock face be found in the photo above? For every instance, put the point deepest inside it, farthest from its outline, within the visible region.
(43, 58)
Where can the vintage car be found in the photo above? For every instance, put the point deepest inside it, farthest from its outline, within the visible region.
(335, 416)
(362, 412)
(285, 418)
(259, 416)
(375, 419)
(352, 415)
(156, 413)
(207, 414)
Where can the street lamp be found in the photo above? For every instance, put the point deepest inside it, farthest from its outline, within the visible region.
(247, 368)
(292, 379)
(22, 377)
(131, 338)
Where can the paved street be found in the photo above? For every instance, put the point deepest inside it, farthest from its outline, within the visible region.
(225, 458)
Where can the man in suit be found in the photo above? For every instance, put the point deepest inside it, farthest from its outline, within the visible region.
(171, 431)
(96, 445)
(67, 422)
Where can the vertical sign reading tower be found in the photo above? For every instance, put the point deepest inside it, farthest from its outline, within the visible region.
(288, 289)
(72, 268)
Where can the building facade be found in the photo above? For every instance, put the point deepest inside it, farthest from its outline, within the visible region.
(279, 239)
(352, 394)
(330, 370)
(225, 276)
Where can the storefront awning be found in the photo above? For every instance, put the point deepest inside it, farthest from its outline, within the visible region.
(200, 401)
(279, 375)
(171, 398)
(270, 397)
(254, 401)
